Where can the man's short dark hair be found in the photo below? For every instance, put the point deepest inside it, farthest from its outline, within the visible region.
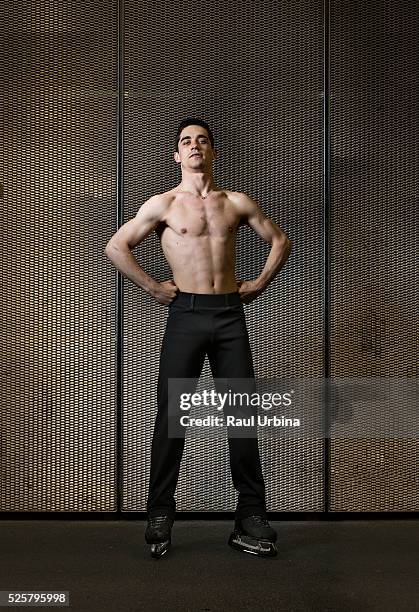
(193, 121)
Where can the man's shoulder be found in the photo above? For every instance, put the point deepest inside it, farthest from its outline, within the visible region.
(239, 196)
(164, 198)
(159, 203)
(244, 205)
(241, 201)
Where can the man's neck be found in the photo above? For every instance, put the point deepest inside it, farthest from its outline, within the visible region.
(197, 184)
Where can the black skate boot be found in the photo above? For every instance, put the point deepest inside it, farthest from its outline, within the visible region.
(158, 534)
(254, 535)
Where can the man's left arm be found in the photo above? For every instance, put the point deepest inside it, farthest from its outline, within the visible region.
(269, 231)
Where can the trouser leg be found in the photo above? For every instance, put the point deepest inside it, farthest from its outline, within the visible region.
(182, 356)
(230, 357)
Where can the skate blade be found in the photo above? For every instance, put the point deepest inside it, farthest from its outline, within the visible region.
(261, 548)
(160, 549)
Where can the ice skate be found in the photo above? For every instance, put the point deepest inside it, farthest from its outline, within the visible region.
(254, 535)
(158, 535)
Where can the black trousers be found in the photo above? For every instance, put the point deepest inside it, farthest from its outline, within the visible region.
(200, 324)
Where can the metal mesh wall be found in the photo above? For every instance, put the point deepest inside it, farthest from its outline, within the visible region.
(58, 358)
(254, 72)
(374, 226)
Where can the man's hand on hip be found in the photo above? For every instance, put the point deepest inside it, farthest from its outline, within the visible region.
(249, 290)
(164, 292)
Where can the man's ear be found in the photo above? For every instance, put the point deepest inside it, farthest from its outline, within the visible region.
(214, 153)
(176, 156)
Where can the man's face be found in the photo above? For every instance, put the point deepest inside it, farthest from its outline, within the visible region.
(194, 149)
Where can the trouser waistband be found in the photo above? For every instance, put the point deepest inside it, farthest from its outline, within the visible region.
(207, 299)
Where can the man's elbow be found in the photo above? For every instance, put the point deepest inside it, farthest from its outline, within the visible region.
(283, 242)
(108, 248)
(287, 247)
(113, 246)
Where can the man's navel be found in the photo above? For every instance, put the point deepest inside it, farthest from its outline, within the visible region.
(183, 230)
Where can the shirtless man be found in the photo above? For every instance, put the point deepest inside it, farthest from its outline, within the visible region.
(197, 224)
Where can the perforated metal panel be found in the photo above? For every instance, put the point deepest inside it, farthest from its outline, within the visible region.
(374, 249)
(58, 209)
(254, 72)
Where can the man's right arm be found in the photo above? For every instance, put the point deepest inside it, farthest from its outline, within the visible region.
(129, 235)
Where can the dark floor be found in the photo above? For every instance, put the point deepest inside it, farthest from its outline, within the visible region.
(321, 566)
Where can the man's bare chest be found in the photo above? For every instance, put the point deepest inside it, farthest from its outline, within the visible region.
(206, 218)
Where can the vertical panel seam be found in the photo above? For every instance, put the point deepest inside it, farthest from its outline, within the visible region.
(326, 248)
(119, 278)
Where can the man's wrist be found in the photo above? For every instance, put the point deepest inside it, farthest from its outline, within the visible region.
(150, 288)
(260, 285)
